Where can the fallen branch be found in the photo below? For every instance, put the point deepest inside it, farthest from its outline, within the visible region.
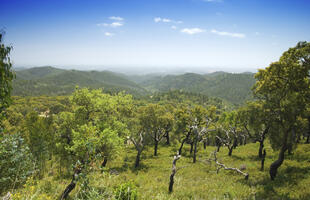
(222, 166)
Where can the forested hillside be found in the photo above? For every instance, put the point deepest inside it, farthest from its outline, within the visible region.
(234, 88)
(52, 81)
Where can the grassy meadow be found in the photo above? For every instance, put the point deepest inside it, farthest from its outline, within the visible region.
(192, 181)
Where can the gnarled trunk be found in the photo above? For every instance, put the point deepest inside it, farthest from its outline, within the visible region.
(276, 164)
(72, 185)
(173, 171)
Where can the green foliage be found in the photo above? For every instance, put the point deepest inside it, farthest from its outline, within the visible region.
(283, 88)
(16, 162)
(38, 133)
(126, 191)
(6, 75)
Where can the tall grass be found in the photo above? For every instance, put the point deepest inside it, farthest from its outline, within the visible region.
(192, 181)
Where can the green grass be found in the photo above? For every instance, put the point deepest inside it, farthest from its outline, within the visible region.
(199, 180)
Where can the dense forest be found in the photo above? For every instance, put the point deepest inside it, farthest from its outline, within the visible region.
(68, 134)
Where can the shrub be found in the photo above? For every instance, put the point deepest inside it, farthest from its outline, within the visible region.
(126, 191)
(16, 163)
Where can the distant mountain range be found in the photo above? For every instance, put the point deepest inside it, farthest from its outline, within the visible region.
(235, 88)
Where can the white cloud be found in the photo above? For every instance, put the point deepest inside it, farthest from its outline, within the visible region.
(166, 20)
(173, 27)
(108, 34)
(257, 33)
(116, 24)
(192, 31)
(223, 33)
(116, 18)
(113, 24)
(157, 19)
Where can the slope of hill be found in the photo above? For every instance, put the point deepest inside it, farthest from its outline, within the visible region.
(53, 81)
(235, 88)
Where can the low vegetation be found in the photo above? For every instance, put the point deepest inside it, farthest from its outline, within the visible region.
(196, 181)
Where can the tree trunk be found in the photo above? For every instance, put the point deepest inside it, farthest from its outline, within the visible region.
(261, 142)
(308, 136)
(167, 137)
(235, 143)
(104, 163)
(195, 150)
(138, 159)
(261, 147)
(298, 139)
(184, 140)
(72, 185)
(192, 145)
(275, 165)
(289, 149)
(155, 147)
(173, 171)
(230, 150)
(204, 144)
(263, 161)
(180, 149)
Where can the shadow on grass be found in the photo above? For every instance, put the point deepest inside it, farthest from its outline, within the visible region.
(142, 168)
(287, 177)
(129, 166)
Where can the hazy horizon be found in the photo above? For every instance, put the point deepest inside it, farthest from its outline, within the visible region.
(132, 70)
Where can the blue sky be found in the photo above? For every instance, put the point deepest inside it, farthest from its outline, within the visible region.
(231, 35)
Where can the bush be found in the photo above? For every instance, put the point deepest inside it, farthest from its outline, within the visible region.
(16, 162)
(126, 191)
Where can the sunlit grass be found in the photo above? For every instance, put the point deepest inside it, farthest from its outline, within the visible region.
(199, 180)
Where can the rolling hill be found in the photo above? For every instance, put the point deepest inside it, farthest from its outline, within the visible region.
(52, 81)
(234, 88)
